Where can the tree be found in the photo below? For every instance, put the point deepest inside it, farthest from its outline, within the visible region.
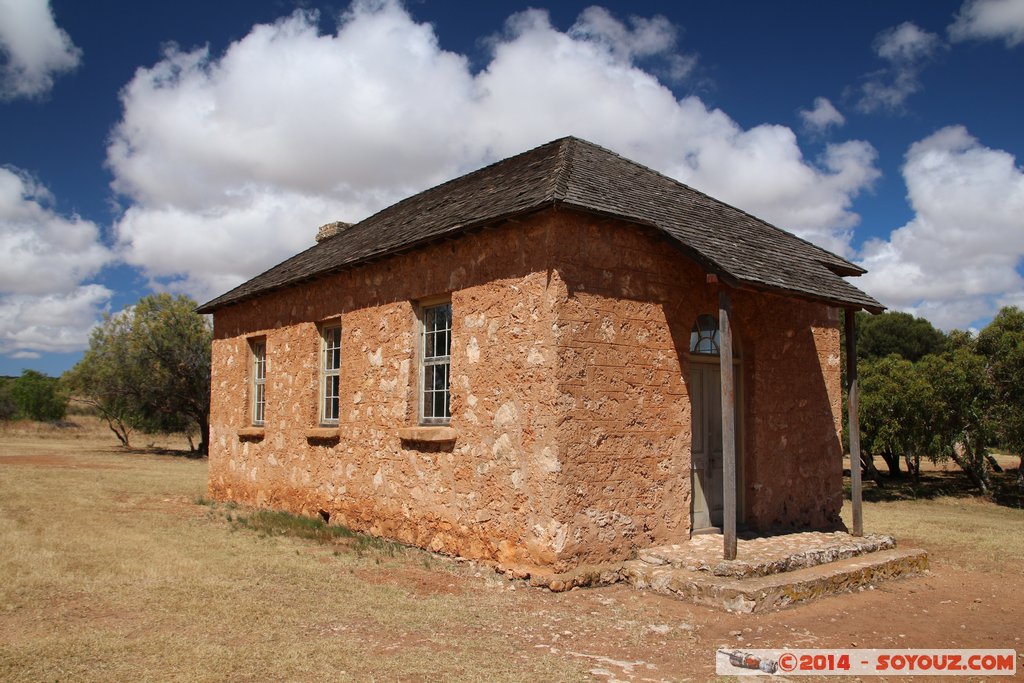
(39, 397)
(961, 417)
(149, 367)
(896, 404)
(8, 408)
(174, 342)
(897, 333)
(1002, 345)
(109, 376)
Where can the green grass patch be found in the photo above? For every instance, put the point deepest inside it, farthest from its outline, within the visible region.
(269, 523)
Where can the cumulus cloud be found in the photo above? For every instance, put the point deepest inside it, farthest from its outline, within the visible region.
(45, 251)
(33, 49)
(906, 48)
(822, 116)
(44, 305)
(989, 20)
(52, 323)
(957, 260)
(644, 37)
(228, 162)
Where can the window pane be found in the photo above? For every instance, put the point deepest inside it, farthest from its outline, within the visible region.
(330, 374)
(434, 401)
(259, 374)
(260, 403)
(705, 336)
(428, 345)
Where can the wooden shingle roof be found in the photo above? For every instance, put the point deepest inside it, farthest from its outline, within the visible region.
(742, 250)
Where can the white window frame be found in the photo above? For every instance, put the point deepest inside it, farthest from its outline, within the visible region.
(330, 374)
(258, 384)
(431, 362)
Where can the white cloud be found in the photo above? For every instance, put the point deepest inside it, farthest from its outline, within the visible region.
(957, 260)
(45, 251)
(51, 323)
(43, 304)
(229, 162)
(652, 37)
(906, 43)
(990, 20)
(33, 47)
(822, 116)
(906, 48)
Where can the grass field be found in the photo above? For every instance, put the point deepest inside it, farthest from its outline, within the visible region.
(115, 567)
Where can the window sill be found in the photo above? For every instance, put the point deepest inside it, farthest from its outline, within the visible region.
(428, 434)
(322, 433)
(251, 433)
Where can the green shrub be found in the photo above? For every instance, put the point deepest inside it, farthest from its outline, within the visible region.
(39, 397)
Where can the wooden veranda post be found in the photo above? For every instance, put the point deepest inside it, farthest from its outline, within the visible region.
(852, 403)
(728, 427)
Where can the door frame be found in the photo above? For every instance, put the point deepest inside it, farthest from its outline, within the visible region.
(737, 364)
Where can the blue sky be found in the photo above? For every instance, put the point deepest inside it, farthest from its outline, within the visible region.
(188, 146)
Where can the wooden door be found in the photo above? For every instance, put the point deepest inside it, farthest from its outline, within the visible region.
(706, 446)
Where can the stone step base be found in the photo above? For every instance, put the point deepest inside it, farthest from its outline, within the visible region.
(780, 590)
(763, 555)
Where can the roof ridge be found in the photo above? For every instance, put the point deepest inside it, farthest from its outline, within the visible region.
(461, 178)
(580, 174)
(566, 149)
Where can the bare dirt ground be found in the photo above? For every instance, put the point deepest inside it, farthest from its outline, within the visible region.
(113, 567)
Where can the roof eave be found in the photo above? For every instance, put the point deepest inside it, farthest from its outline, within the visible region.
(225, 300)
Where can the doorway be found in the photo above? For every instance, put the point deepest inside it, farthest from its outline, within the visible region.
(706, 429)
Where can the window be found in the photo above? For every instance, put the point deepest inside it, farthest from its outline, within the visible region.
(259, 380)
(705, 337)
(330, 374)
(435, 361)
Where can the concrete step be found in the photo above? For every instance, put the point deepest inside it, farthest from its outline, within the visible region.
(764, 555)
(774, 591)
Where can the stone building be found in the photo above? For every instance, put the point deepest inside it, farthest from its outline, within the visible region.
(522, 365)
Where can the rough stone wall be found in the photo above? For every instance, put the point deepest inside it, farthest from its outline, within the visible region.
(488, 494)
(794, 417)
(570, 401)
(625, 439)
(624, 368)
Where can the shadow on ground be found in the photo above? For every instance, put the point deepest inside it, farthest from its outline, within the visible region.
(173, 452)
(941, 484)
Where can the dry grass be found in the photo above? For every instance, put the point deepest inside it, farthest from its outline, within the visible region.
(112, 570)
(969, 533)
(114, 567)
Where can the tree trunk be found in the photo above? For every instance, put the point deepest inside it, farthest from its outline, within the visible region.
(996, 467)
(867, 462)
(120, 431)
(204, 434)
(964, 460)
(893, 462)
(914, 466)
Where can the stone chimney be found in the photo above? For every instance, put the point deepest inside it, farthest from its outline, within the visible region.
(329, 230)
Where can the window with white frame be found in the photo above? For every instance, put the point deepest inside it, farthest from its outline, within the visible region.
(259, 380)
(435, 361)
(330, 374)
